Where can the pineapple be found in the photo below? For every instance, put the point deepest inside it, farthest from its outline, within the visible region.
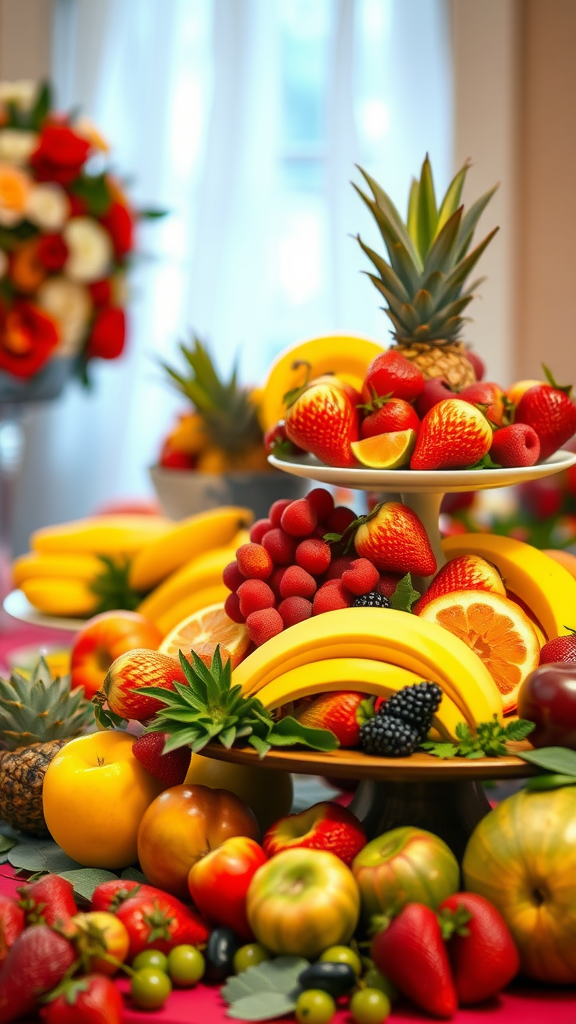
(233, 437)
(37, 717)
(424, 282)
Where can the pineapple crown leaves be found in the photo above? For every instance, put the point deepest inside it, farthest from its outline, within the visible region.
(423, 283)
(209, 707)
(40, 709)
(112, 587)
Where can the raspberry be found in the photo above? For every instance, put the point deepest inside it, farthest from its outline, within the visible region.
(321, 501)
(374, 599)
(254, 562)
(388, 583)
(263, 625)
(232, 608)
(294, 609)
(276, 510)
(254, 595)
(276, 579)
(331, 596)
(260, 527)
(280, 546)
(314, 555)
(340, 519)
(361, 577)
(388, 737)
(299, 519)
(232, 577)
(296, 582)
(338, 566)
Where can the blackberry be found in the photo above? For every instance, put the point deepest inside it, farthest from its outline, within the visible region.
(388, 736)
(414, 705)
(372, 600)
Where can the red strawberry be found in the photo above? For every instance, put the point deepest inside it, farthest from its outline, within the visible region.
(325, 826)
(321, 501)
(253, 596)
(232, 577)
(324, 421)
(412, 954)
(276, 441)
(388, 583)
(343, 713)
(133, 670)
(466, 572)
(280, 546)
(331, 596)
(339, 519)
(276, 510)
(254, 561)
(337, 567)
(35, 965)
(263, 625)
(515, 445)
(170, 768)
(260, 527)
(12, 921)
(159, 922)
(477, 364)
(296, 582)
(487, 394)
(482, 952)
(361, 577)
(93, 999)
(453, 434)
(50, 900)
(314, 555)
(550, 411)
(109, 895)
(232, 608)
(560, 648)
(299, 519)
(170, 458)
(435, 390)
(393, 414)
(390, 373)
(294, 609)
(394, 540)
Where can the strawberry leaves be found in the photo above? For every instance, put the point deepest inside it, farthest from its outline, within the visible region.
(404, 596)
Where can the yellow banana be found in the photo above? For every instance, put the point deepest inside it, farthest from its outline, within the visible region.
(358, 674)
(34, 565)
(394, 637)
(57, 596)
(186, 540)
(188, 605)
(102, 535)
(546, 587)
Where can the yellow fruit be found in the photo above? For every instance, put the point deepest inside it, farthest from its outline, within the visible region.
(213, 460)
(201, 572)
(268, 793)
(189, 435)
(95, 795)
(564, 558)
(102, 535)
(197, 601)
(348, 357)
(385, 451)
(63, 597)
(496, 629)
(519, 388)
(33, 565)
(202, 631)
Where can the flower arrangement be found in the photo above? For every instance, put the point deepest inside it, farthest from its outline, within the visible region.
(66, 236)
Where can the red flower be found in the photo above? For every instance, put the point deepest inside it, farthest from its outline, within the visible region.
(60, 154)
(27, 338)
(108, 334)
(52, 251)
(78, 206)
(101, 292)
(118, 222)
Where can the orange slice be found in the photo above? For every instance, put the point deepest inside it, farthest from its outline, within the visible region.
(202, 631)
(496, 629)
(385, 451)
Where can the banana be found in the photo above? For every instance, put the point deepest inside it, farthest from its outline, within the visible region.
(184, 541)
(102, 535)
(358, 674)
(546, 587)
(394, 637)
(194, 602)
(56, 596)
(34, 565)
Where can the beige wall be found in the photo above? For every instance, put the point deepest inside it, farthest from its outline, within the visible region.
(25, 38)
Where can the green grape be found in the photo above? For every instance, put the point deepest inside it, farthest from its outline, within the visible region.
(369, 1006)
(186, 965)
(315, 1007)
(343, 955)
(150, 988)
(375, 979)
(150, 958)
(248, 956)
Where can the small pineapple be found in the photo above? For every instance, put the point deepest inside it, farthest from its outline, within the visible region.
(424, 282)
(37, 717)
(226, 415)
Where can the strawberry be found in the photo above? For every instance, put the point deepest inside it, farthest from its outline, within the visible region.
(339, 519)
(322, 502)
(254, 595)
(254, 561)
(35, 964)
(299, 519)
(453, 434)
(388, 414)
(434, 391)
(361, 577)
(279, 545)
(276, 442)
(260, 527)
(390, 373)
(159, 922)
(331, 596)
(276, 510)
(477, 364)
(388, 583)
(171, 458)
(314, 555)
(394, 540)
(466, 572)
(343, 713)
(50, 900)
(12, 922)
(550, 411)
(170, 768)
(325, 826)
(560, 648)
(232, 577)
(136, 669)
(232, 608)
(515, 445)
(338, 566)
(481, 949)
(485, 393)
(109, 895)
(294, 609)
(412, 955)
(324, 421)
(93, 999)
(263, 625)
(296, 582)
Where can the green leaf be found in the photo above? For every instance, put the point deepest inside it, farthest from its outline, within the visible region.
(6, 843)
(41, 107)
(260, 745)
(451, 200)
(549, 781)
(441, 750)
(95, 192)
(427, 213)
(266, 991)
(289, 731)
(404, 595)
(85, 880)
(151, 214)
(489, 739)
(553, 759)
(133, 874)
(263, 1006)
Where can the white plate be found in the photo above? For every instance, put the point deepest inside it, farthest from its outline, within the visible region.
(18, 606)
(410, 481)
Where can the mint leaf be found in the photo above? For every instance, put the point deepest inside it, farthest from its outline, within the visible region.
(404, 596)
(489, 740)
(439, 749)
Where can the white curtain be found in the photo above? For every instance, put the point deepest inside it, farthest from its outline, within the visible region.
(244, 119)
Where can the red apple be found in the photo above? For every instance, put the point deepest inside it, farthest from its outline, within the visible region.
(103, 639)
(547, 697)
(325, 826)
(477, 363)
(218, 883)
(489, 394)
(434, 391)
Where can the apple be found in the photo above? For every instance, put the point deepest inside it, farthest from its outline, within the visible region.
(520, 387)
(476, 363)
(268, 793)
(218, 883)
(434, 391)
(303, 901)
(102, 639)
(547, 697)
(489, 394)
(182, 825)
(325, 826)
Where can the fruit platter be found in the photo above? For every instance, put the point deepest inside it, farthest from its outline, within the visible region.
(153, 856)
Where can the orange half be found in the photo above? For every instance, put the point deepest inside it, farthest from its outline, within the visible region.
(385, 451)
(496, 629)
(202, 631)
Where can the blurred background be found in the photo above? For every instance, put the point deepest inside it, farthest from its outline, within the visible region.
(244, 119)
